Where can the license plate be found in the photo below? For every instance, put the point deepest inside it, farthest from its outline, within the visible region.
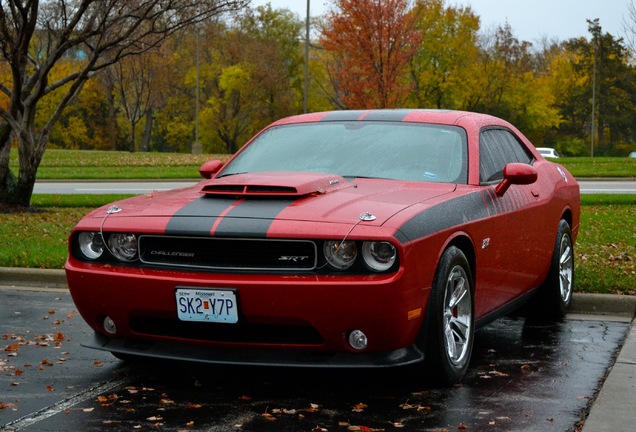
(207, 305)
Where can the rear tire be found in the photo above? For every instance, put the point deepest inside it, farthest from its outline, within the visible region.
(452, 324)
(555, 295)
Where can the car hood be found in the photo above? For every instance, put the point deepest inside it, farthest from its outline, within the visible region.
(284, 196)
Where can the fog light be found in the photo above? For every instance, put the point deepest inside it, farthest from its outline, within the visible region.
(358, 340)
(109, 326)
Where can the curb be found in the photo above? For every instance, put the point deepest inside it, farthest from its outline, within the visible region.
(582, 303)
(27, 277)
(604, 304)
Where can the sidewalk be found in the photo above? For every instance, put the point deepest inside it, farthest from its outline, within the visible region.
(613, 410)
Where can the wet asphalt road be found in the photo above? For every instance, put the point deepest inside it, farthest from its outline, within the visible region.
(524, 376)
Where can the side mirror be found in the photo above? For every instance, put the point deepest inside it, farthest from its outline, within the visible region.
(517, 174)
(209, 168)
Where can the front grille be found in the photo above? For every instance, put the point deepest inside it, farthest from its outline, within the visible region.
(228, 254)
(215, 332)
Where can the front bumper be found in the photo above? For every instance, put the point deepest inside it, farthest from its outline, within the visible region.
(279, 316)
(256, 357)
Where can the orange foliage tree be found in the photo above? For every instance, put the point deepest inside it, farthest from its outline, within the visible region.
(369, 44)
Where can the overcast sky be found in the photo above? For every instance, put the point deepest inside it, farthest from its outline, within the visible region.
(530, 20)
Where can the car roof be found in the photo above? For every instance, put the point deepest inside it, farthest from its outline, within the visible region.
(449, 117)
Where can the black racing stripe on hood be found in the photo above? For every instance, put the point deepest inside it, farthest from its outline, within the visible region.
(198, 217)
(251, 218)
(458, 211)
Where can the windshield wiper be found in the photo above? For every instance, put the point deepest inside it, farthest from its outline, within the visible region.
(232, 174)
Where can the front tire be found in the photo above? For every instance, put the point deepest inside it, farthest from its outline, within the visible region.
(452, 323)
(555, 295)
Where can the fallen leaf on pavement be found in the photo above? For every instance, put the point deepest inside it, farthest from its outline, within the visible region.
(359, 407)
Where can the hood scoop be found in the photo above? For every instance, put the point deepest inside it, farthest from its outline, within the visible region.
(275, 184)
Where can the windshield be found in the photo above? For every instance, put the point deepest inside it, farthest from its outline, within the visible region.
(391, 150)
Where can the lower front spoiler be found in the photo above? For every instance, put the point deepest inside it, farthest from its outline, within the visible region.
(255, 357)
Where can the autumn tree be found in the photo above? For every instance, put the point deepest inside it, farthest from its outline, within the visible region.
(443, 67)
(35, 35)
(250, 75)
(260, 76)
(507, 84)
(369, 44)
(136, 83)
(608, 85)
(88, 123)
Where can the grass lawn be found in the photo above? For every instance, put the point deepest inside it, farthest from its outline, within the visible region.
(605, 250)
(606, 246)
(100, 165)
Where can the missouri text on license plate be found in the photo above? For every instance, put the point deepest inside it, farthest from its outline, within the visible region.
(207, 305)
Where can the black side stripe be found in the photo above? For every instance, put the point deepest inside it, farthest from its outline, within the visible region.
(458, 211)
(466, 208)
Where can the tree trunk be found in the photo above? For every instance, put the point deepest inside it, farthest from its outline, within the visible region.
(132, 136)
(145, 140)
(18, 191)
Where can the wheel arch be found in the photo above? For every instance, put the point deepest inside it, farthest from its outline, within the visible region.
(567, 216)
(465, 244)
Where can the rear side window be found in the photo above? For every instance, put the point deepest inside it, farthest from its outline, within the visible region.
(498, 148)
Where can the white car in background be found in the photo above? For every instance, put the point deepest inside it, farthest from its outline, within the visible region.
(548, 152)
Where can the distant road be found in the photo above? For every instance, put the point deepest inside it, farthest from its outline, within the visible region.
(144, 187)
(608, 186)
(107, 187)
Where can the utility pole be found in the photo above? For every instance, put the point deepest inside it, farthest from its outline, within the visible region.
(305, 100)
(593, 102)
(196, 147)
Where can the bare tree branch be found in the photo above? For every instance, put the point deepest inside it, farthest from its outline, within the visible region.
(36, 34)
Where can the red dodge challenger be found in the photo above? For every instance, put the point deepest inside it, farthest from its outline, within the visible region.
(339, 239)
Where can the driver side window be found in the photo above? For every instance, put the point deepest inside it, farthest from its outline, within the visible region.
(498, 148)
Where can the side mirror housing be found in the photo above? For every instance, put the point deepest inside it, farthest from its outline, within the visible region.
(517, 174)
(209, 168)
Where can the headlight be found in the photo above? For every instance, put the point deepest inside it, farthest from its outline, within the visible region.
(379, 256)
(340, 254)
(91, 244)
(123, 246)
